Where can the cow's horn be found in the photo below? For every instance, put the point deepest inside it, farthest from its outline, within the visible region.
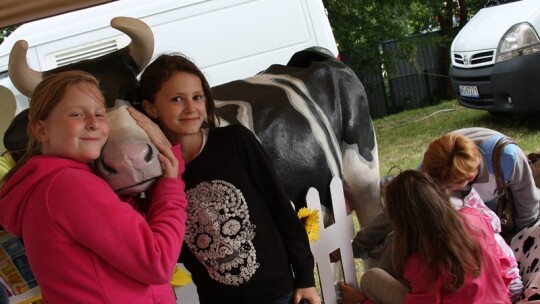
(24, 78)
(141, 47)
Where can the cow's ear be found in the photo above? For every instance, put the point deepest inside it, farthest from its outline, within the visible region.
(149, 109)
(39, 131)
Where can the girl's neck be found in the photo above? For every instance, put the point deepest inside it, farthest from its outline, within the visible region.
(191, 145)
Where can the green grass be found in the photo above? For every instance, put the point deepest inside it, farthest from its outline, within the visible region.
(402, 138)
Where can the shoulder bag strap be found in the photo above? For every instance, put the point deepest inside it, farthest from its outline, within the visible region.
(502, 186)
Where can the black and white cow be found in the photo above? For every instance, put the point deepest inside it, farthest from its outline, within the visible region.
(526, 249)
(117, 72)
(312, 115)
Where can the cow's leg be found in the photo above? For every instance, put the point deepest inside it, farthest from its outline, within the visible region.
(361, 183)
(362, 187)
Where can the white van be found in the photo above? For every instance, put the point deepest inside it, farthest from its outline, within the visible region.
(228, 39)
(496, 58)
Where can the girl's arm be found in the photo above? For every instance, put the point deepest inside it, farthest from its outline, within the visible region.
(308, 294)
(94, 217)
(349, 295)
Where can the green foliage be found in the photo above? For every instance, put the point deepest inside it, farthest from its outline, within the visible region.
(360, 26)
(4, 32)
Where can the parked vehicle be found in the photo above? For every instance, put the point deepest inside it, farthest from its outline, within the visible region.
(496, 58)
(228, 39)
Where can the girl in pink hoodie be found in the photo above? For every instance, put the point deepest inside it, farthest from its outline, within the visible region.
(83, 243)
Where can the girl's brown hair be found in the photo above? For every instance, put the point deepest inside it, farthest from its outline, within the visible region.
(451, 159)
(426, 224)
(47, 94)
(161, 69)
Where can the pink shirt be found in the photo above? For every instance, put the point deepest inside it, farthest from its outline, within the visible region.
(491, 286)
(84, 244)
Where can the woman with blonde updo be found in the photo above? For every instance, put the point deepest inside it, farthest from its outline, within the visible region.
(465, 157)
(452, 160)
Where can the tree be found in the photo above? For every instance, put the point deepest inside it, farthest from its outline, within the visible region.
(448, 17)
(360, 26)
(4, 32)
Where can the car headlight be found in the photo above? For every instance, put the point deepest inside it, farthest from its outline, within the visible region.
(520, 40)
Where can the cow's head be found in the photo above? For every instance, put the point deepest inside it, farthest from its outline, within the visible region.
(117, 73)
(128, 161)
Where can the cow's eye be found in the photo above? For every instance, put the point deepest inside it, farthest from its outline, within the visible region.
(149, 153)
(107, 168)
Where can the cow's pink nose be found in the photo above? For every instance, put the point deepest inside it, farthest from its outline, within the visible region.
(128, 157)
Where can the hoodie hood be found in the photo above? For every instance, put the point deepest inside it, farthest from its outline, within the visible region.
(15, 194)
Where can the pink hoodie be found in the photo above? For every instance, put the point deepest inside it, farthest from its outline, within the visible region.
(491, 286)
(83, 243)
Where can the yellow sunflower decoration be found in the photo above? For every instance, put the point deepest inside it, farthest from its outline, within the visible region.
(180, 277)
(310, 219)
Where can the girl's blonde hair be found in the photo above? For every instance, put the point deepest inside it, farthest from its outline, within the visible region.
(451, 159)
(47, 94)
(426, 224)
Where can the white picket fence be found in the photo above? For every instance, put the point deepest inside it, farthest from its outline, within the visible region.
(336, 236)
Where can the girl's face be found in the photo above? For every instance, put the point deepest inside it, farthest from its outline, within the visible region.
(458, 186)
(77, 127)
(180, 105)
(463, 184)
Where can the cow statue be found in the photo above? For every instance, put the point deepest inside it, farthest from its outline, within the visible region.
(312, 115)
(116, 71)
(127, 171)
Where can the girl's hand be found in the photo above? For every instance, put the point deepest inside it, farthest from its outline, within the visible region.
(151, 128)
(350, 295)
(309, 294)
(168, 161)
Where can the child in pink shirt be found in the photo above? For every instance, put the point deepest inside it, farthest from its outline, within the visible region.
(442, 255)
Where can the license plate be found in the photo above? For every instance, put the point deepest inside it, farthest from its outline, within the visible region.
(468, 91)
